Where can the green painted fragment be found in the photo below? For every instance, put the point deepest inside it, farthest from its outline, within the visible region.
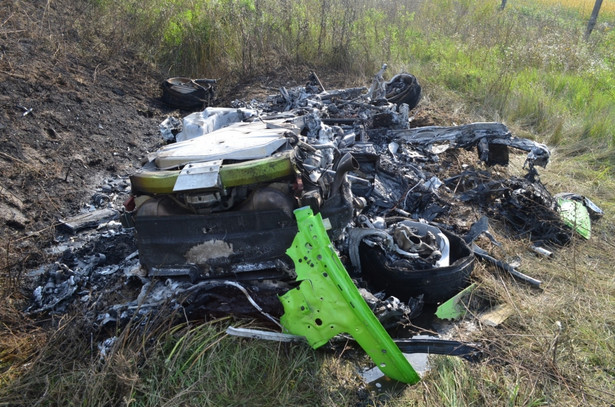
(254, 171)
(575, 215)
(455, 307)
(231, 175)
(327, 302)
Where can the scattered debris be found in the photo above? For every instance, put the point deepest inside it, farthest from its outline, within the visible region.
(211, 119)
(437, 346)
(169, 129)
(186, 93)
(482, 227)
(380, 219)
(89, 219)
(390, 311)
(506, 267)
(594, 211)
(264, 335)
(487, 137)
(26, 110)
(436, 271)
(542, 251)
(496, 315)
(574, 213)
(417, 351)
(105, 347)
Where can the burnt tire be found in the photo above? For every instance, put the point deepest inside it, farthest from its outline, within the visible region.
(436, 284)
(186, 93)
(403, 88)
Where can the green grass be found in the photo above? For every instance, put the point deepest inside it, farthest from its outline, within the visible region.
(200, 365)
(185, 364)
(527, 65)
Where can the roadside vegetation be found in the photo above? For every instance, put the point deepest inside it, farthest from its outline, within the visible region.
(528, 66)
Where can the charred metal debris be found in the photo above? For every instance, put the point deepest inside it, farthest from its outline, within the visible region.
(216, 215)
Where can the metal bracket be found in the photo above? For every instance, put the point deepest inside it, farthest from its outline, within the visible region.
(327, 302)
(199, 176)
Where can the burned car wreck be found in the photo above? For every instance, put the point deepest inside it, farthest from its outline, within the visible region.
(325, 212)
(232, 218)
(219, 202)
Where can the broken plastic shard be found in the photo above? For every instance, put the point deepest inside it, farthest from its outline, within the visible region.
(496, 315)
(455, 308)
(594, 210)
(433, 184)
(327, 302)
(575, 215)
(393, 148)
(542, 251)
(106, 347)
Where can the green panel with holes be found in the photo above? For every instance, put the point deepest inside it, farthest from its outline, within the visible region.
(327, 302)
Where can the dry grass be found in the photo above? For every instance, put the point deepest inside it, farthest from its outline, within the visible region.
(20, 339)
(585, 6)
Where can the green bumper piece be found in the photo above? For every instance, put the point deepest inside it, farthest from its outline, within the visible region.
(254, 171)
(327, 302)
(231, 175)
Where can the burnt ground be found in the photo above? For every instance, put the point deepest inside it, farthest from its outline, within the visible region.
(69, 119)
(76, 119)
(78, 113)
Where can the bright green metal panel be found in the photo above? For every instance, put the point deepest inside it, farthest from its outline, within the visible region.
(327, 302)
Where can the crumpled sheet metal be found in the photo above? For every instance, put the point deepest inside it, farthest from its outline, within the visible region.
(468, 135)
(525, 205)
(238, 141)
(212, 119)
(401, 160)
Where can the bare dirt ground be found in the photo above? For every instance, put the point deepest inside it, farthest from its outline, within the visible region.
(69, 118)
